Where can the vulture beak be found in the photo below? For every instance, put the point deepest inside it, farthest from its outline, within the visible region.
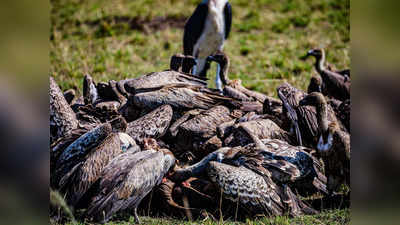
(309, 53)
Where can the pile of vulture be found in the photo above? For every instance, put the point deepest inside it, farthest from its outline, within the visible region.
(165, 144)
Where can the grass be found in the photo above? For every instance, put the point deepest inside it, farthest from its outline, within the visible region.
(338, 216)
(121, 39)
(116, 39)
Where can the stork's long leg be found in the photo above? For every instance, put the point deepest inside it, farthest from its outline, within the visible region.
(218, 81)
(136, 215)
(200, 66)
(194, 70)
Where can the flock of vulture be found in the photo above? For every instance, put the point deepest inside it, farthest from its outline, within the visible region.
(167, 144)
(182, 149)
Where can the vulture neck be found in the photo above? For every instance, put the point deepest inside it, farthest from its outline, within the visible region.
(223, 72)
(193, 170)
(322, 116)
(320, 63)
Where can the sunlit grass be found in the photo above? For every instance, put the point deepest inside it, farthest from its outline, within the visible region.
(266, 43)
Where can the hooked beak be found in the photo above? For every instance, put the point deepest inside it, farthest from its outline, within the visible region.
(309, 53)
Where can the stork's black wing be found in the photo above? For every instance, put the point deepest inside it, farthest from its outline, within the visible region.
(194, 27)
(228, 19)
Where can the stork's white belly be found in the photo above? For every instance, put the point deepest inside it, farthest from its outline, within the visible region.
(212, 39)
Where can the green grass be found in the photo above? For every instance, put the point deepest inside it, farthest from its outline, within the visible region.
(267, 39)
(326, 217)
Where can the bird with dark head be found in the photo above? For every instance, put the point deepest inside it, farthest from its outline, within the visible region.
(315, 84)
(176, 62)
(303, 117)
(205, 32)
(336, 84)
(333, 144)
(223, 61)
(188, 63)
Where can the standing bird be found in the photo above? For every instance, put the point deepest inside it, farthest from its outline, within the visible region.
(337, 84)
(205, 32)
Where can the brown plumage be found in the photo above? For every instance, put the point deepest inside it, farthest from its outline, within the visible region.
(336, 85)
(194, 133)
(316, 85)
(333, 144)
(341, 108)
(252, 101)
(62, 118)
(90, 94)
(173, 129)
(304, 118)
(157, 79)
(255, 193)
(77, 181)
(78, 149)
(263, 128)
(151, 125)
(181, 97)
(196, 193)
(343, 113)
(286, 163)
(126, 180)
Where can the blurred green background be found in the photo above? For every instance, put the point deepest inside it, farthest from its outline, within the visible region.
(121, 39)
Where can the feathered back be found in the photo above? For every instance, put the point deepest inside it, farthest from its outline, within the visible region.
(257, 193)
(304, 116)
(253, 191)
(79, 180)
(182, 97)
(126, 180)
(286, 163)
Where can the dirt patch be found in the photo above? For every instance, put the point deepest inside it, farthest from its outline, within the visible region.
(137, 23)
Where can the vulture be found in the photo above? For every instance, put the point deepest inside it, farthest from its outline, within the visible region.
(303, 118)
(336, 84)
(333, 144)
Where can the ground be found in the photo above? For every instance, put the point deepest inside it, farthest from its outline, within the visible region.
(326, 217)
(123, 38)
